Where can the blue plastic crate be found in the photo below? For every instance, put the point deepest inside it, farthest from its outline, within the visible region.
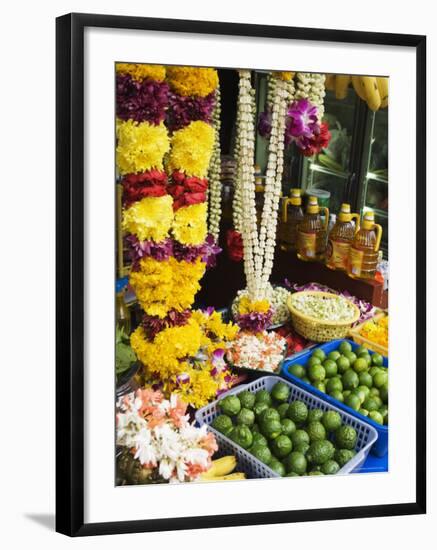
(380, 447)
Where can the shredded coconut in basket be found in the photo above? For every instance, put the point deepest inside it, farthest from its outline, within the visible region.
(324, 308)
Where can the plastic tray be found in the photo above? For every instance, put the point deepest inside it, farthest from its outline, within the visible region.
(380, 447)
(367, 435)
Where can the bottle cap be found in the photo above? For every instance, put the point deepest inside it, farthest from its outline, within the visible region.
(368, 220)
(295, 197)
(345, 213)
(313, 205)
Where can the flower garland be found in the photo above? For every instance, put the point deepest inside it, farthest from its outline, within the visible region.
(157, 433)
(214, 176)
(165, 216)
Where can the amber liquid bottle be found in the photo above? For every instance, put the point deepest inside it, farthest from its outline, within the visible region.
(311, 233)
(364, 252)
(341, 238)
(292, 216)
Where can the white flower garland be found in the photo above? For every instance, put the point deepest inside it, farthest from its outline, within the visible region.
(214, 176)
(312, 86)
(259, 248)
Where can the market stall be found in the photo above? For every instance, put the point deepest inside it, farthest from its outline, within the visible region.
(252, 274)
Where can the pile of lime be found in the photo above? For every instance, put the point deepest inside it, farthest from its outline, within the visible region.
(356, 378)
(292, 439)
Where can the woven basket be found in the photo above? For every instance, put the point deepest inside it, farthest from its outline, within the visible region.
(316, 330)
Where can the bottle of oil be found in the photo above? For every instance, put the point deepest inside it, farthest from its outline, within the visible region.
(311, 233)
(340, 238)
(292, 215)
(363, 254)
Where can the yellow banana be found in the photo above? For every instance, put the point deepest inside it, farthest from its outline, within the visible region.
(330, 82)
(356, 83)
(371, 90)
(382, 83)
(341, 85)
(221, 467)
(230, 477)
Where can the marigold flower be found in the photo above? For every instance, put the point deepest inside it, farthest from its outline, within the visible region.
(196, 81)
(141, 71)
(149, 218)
(141, 146)
(189, 225)
(191, 149)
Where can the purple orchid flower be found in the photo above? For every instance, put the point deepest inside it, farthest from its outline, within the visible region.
(302, 119)
(265, 123)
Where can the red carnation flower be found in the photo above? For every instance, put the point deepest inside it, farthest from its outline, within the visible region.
(318, 142)
(234, 242)
(146, 184)
(187, 190)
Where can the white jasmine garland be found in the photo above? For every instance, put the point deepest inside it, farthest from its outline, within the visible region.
(214, 176)
(312, 86)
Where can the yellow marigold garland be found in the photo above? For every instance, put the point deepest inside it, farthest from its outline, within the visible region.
(192, 81)
(141, 146)
(149, 218)
(247, 306)
(191, 149)
(213, 325)
(189, 225)
(140, 71)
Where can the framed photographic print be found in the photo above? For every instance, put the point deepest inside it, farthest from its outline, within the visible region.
(229, 269)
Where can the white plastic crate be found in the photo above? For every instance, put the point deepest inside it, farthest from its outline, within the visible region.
(366, 434)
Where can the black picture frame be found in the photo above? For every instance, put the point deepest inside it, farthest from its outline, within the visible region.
(70, 273)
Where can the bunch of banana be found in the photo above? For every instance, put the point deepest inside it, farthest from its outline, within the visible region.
(371, 89)
(221, 470)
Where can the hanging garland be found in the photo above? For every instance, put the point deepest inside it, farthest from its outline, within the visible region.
(214, 175)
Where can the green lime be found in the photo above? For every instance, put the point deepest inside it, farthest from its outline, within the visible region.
(377, 417)
(313, 361)
(288, 426)
(377, 359)
(330, 467)
(291, 474)
(374, 392)
(269, 414)
(314, 415)
(365, 379)
(361, 394)
(258, 408)
(258, 439)
(377, 400)
(242, 436)
(316, 473)
(367, 358)
(380, 379)
(365, 390)
(320, 386)
(351, 356)
(222, 423)
(280, 392)
(384, 413)
(346, 393)
(360, 365)
(383, 392)
(316, 431)
(298, 412)
(370, 404)
(271, 428)
(306, 380)
(263, 396)
(334, 384)
(320, 452)
(342, 456)
(282, 410)
(281, 446)
(261, 452)
(246, 417)
(361, 349)
(277, 467)
(295, 462)
(316, 372)
(230, 405)
(374, 370)
(344, 347)
(247, 399)
(297, 370)
(319, 353)
(301, 447)
(353, 401)
(364, 412)
(337, 394)
(343, 364)
(350, 380)
(299, 437)
(334, 355)
(331, 420)
(330, 367)
(346, 437)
